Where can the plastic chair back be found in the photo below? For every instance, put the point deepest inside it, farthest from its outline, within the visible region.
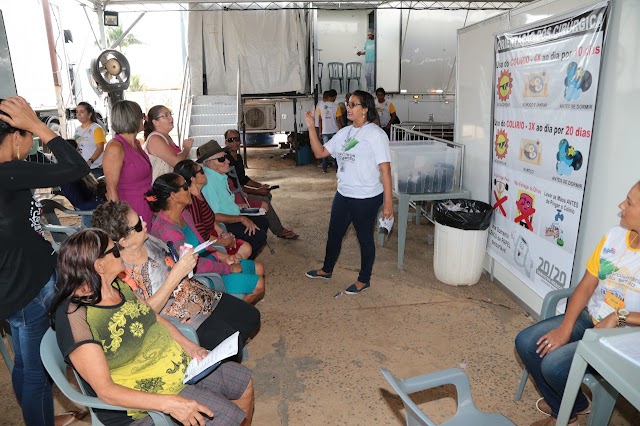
(603, 394)
(320, 66)
(336, 72)
(354, 72)
(466, 414)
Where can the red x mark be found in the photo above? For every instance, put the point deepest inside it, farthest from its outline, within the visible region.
(499, 203)
(526, 216)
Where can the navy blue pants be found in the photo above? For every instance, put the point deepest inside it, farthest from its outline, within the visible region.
(362, 213)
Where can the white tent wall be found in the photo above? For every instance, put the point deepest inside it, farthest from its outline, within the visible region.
(614, 149)
(270, 47)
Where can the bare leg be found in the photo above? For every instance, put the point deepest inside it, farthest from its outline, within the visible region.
(245, 250)
(258, 292)
(246, 403)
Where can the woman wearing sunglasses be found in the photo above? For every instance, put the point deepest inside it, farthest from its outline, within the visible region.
(163, 151)
(170, 196)
(151, 272)
(27, 262)
(364, 184)
(203, 217)
(128, 354)
(127, 169)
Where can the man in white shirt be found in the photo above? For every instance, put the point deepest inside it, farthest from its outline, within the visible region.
(386, 111)
(330, 121)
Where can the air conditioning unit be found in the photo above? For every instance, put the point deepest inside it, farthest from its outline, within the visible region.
(260, 117)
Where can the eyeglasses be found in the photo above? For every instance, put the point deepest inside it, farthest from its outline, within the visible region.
(233, 139)
(166, 114)
(113, 250)
(137, 226)
(353, 105)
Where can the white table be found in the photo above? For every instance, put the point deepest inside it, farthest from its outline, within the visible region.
(403, 214)
(620, 372)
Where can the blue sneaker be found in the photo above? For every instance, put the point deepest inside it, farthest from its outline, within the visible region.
(352, 289)
(314, 274)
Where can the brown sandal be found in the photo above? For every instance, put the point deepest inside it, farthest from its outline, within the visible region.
(288, 235)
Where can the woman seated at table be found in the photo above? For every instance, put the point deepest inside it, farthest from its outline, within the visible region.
(150, 272)
(169, 196)
(203, 216)
(128, 354)
(606, 297)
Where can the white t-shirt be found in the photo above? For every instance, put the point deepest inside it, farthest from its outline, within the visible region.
(358, 152)
(617, 267)
(319, 107)
(88, 139)
(329, 114)
(385, 110)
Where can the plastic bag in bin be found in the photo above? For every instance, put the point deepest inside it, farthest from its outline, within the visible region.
(469, 215)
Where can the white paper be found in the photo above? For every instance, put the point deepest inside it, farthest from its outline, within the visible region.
(627, 345)
(224, 350)
(204, 245)
(386, 223)
(262, 212)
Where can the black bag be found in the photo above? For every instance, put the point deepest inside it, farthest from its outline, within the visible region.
(469, 215)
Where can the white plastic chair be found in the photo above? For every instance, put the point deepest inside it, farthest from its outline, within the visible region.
(467, 413)
(603, 395)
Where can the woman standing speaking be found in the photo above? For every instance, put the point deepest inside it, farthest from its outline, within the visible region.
(364, 184)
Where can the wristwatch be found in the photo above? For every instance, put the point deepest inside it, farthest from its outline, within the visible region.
(622, 317)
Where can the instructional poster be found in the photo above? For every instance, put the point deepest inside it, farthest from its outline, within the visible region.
(545, 97)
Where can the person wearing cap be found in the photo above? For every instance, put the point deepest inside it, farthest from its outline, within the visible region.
(255, 191)
(252, 229)
(369, 52)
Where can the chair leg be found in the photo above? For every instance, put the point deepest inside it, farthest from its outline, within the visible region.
(521, 385)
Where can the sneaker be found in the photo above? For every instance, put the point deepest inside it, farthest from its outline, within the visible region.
(314, 274)
(544, 408)
(352, 289)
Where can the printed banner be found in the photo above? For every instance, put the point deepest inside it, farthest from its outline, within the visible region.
(545, 97)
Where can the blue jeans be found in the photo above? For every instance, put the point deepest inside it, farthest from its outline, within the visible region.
(550, 373)
(31, 382)
(325, 160)
(363, 214)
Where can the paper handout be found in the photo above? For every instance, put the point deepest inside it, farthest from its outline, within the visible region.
(199, 369)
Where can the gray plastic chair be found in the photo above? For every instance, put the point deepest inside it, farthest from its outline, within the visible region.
(336, 72)
(56, 367)
(354, 72)
(320, 66)
(603, 395)
(51, 222)
(467, 413)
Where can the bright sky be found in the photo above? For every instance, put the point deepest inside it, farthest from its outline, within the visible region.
(159, 61)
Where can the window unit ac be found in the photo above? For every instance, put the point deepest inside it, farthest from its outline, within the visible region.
(260, 117)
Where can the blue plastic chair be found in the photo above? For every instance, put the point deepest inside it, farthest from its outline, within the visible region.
(56, 367)
(603, 395)
(467, 413)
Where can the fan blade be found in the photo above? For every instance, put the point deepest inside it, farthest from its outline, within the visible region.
(118, 78)
(103, 59)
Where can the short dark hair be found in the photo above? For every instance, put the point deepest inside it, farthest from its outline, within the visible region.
(111, 217)
(380, 89)
(162, 188)
(333, 93)
(229, 131)
(367, 101)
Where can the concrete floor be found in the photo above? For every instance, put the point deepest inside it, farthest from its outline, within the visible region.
(317, 358)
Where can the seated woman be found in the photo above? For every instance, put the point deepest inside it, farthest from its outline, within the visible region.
(169, 196)
(128, 354)
(151, 273)
(203, 216)
(163, 151)
(601, 300)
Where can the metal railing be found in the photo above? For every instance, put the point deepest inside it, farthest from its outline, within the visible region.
(184, 111)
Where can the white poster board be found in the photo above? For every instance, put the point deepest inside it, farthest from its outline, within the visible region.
(545, 93)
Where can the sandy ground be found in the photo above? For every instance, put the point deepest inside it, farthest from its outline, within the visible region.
(317, 358)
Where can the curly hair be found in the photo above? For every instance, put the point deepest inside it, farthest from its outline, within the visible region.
(111, 217)
(76, 269)
(162, 188)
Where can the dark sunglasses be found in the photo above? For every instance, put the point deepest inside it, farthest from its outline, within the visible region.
(137, 227)
(219, 159)
(200, 170)
(184, 186)
(113, 250)
(233, 139)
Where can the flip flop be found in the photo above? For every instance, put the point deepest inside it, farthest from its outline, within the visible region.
(288, 235)
(75, 416)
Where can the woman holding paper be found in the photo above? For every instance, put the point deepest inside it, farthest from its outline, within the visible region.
(152, 274)
(364, 185)
(606, 297)
(129, 355)
(169, 196)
